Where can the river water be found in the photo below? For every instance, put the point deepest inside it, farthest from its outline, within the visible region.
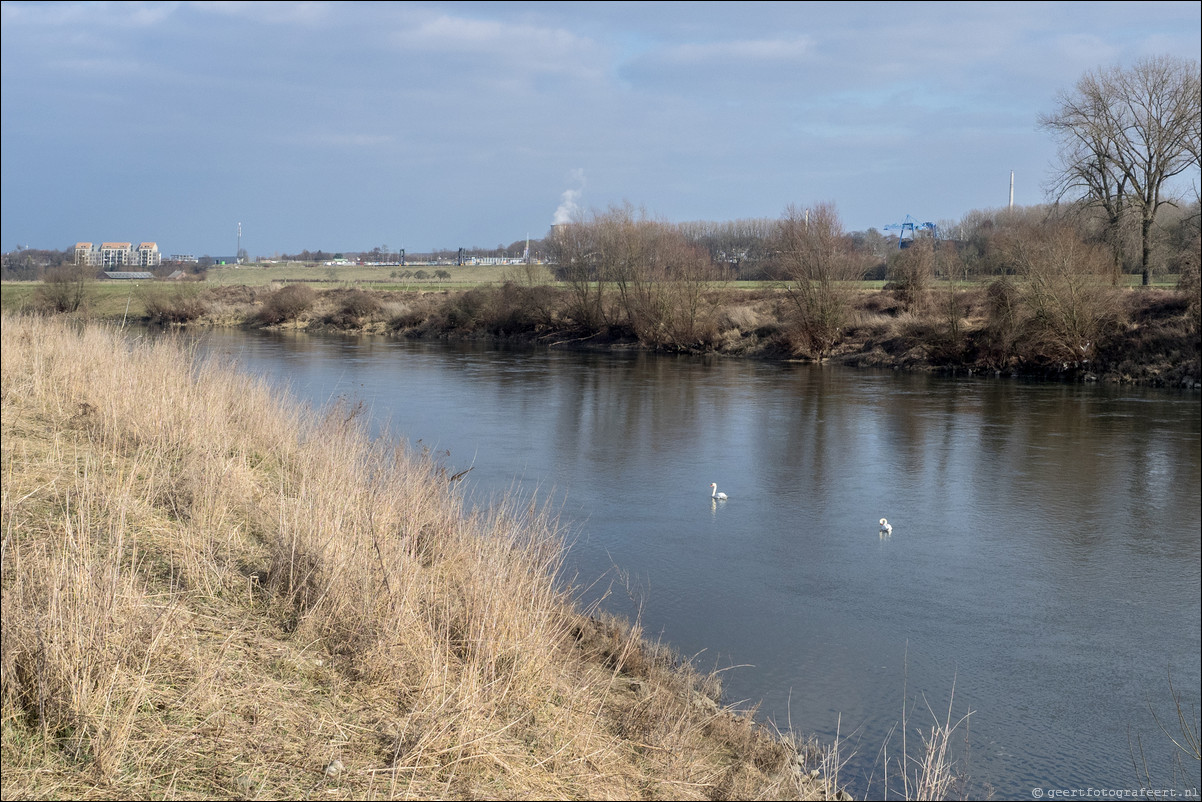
(1043, 572)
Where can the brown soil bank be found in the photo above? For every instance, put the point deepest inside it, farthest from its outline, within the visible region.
(210, 594)
(1067, 332)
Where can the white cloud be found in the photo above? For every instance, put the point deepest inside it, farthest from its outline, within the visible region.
(792, 48)
(98, 15)
(518, 48)
(274, 13)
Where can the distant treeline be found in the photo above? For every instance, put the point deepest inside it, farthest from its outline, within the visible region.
(749, 249)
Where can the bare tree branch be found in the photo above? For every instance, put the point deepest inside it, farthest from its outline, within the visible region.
(1125, 135)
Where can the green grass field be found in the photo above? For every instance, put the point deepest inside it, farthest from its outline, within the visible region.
(107, 299)
(461, 276)
(113, 299)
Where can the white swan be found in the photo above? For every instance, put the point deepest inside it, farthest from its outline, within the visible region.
(886, 527)
(716, 494)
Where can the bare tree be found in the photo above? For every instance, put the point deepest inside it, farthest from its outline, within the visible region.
(1124, 136)
(625, 242)
(624, 268)
(1089, 160)
(572, 249)
(819, 262)
(742, 245)
(666, 303)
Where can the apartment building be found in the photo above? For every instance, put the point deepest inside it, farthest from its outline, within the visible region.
(87, 254)
(148, 255)
(117, 254)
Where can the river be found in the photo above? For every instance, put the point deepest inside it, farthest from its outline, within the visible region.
(1043, 573)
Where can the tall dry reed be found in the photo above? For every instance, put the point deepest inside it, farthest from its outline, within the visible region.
(209, 592)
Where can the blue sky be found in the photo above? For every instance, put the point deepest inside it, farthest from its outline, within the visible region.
(345, 126)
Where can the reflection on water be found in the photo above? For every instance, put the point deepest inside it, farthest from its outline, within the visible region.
(1044, 559)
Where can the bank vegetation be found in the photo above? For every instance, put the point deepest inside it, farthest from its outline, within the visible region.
(208, 593)
(1030, 293)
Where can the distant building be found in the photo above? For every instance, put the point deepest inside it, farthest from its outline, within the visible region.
(148, 255)
(87, 254)
(117, 254)
(128, 275)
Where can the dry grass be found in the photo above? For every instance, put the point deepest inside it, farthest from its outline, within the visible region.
(209, 594)
(1183, 734)
(924, 767)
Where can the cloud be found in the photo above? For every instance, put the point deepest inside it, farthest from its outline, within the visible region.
(517, 48)
(106, 15)
(792, 48)
(735, 68)
(303, 13)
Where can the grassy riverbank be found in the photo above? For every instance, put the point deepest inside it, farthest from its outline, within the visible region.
(208, 593)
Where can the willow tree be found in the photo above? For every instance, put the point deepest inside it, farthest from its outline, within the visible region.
(624, 268)
(1124, 136)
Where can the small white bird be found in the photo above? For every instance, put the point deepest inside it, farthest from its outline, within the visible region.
(886, 527)
(716, 494)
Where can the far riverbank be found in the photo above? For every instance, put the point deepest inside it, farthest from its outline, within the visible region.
(1142, 336)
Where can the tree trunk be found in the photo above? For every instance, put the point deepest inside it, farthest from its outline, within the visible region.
(1146, 246)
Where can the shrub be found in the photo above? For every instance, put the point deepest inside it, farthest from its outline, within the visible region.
(287, 304)
(64, 289)
(179, 304)
(501, 311)
(515, 309)
(356, 305)
(1065, 291)
(880, 304)
(1189, 280)
(742, 317)
(911, 274)
(1004, 322)
(361, 304)
(465, 310)
(411, 314)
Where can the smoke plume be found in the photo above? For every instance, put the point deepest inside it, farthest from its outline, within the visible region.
(569, 201)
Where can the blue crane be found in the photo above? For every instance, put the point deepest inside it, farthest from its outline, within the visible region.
(913, 226)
